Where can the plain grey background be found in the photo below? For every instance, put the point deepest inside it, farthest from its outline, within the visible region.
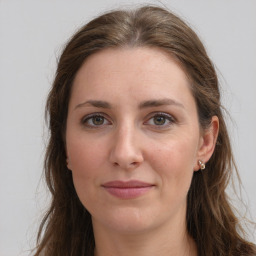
(32, 34)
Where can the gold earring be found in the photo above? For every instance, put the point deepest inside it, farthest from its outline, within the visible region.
(202, 164)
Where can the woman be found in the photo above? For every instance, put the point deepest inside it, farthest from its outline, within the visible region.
(139, 155)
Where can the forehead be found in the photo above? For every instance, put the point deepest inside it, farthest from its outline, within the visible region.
(138, 73)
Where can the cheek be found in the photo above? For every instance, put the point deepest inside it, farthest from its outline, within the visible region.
(85, 158)
(174, 162)
(174, 154)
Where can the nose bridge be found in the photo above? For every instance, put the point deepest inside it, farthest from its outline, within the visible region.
(125, 151)
(126, 137)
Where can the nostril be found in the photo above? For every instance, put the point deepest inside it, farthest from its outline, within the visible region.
(126, 166)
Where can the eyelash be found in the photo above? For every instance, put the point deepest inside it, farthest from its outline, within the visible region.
(87, 118)
(167, 118)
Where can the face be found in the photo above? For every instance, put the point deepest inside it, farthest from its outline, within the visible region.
(132, 139)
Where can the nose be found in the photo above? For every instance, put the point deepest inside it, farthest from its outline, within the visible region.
(125, 152)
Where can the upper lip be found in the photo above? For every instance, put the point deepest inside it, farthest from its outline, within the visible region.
(126, 184)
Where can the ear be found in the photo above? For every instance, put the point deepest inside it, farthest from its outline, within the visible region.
(68, 162)
(207, 142)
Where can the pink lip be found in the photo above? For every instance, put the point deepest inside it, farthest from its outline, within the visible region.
(127, 189)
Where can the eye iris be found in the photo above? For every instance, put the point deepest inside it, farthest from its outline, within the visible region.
(98, 120)
(159, 120)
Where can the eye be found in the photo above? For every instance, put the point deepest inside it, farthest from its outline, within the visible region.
(95, 121)
(161, 119)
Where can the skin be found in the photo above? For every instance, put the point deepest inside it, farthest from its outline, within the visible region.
(158, 142)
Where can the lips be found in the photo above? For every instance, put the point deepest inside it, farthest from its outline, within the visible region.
(127, 189)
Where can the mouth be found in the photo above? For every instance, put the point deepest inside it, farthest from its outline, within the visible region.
(127, 189)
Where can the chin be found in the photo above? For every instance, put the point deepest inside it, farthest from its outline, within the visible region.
(128, 220)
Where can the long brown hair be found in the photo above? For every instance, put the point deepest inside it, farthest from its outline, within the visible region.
(66, 228)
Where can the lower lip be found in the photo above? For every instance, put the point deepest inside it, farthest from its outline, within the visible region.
(128, 193)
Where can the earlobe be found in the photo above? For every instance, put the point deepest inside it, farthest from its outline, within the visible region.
(201, 164)
(68, 164)
(208, 142)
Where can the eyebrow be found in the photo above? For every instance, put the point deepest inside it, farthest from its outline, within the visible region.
(160, 102)
(144, 104)
(94, 103)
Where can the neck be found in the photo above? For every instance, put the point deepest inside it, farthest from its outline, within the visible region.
(158, 242)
